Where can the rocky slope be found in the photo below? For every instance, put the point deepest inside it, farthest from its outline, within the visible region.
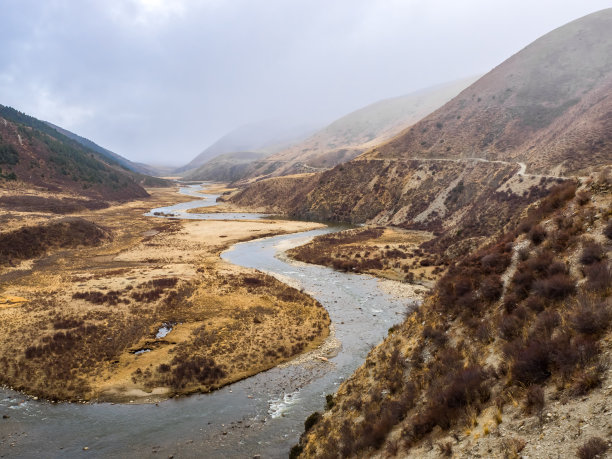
(510, 354)
(547, 106)
(462, 202)
(356, 132)
(508, 357)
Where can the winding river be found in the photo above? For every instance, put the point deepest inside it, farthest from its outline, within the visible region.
(261, 415)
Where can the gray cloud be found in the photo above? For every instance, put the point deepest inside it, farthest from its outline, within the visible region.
(157, 81)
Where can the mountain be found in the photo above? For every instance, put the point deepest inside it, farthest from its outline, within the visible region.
(263, 137)
(548, 106)
(357, 132)
(36, 155)
(114, 157)
(458, 172)
(225, 168)
(515, 337)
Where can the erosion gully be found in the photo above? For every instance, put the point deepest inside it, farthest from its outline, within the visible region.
(261, 415)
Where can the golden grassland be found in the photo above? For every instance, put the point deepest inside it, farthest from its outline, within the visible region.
(89, 309)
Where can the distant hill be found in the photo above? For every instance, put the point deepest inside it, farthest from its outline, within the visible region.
(225, 168)
(264, 137)
(548, 106)
(34, 154)
(357, 132)
(135, 167)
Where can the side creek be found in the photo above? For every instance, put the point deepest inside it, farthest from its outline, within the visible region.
(261, 415)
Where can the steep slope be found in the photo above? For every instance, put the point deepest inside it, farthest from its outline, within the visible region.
(264, 137)
(462, 202)
(225, 168)
(428, 176)
(508, 357)
(35, 155)
(357, 132)
(548, 106)
(114, 157)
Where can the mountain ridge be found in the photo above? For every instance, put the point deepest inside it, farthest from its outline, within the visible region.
(546, 105)
(357, 131)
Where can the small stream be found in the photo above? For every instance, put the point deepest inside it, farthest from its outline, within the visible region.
(179, 211)
(263, 414)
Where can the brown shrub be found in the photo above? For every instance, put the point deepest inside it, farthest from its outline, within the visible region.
(592, 252)
(537, 234)
(446, 449)
(437, 335)
(34, 241)
(545, 323)
(65, 323)
(535, 303)
(531, 362)
(608, 230)
(457, 390)
(112, 297)
(491, 288)
(196, 368)
(593, 448)
(587, 380)
(599, 276)
(534, 399)
(495, 262)
(555, 287)
(510, 327)
(590, 317)
(583, 197)
(311, 420)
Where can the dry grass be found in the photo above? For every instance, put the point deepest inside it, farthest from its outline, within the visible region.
(89, 309)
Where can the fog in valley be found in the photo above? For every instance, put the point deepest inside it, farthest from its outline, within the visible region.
(159, 81)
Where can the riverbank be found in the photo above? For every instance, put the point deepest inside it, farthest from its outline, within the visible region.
(90, 327)
(263, 414)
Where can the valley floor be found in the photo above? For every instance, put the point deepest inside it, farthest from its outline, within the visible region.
(90, 322)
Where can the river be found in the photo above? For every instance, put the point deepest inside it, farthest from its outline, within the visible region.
(261, 415)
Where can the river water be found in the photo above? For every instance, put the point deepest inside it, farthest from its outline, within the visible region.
(263, 414)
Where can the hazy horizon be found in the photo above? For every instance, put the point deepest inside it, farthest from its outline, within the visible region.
(158, 82)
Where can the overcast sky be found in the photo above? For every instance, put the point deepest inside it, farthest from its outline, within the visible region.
(158, 81)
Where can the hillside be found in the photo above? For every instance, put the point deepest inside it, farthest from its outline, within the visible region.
(509, 356)
(510, 181)
(547, 106)
(264, 137)
(357, 132)
(224, 168)
(34, 155)
(462, 202)
(455, 193)
(114, 157)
